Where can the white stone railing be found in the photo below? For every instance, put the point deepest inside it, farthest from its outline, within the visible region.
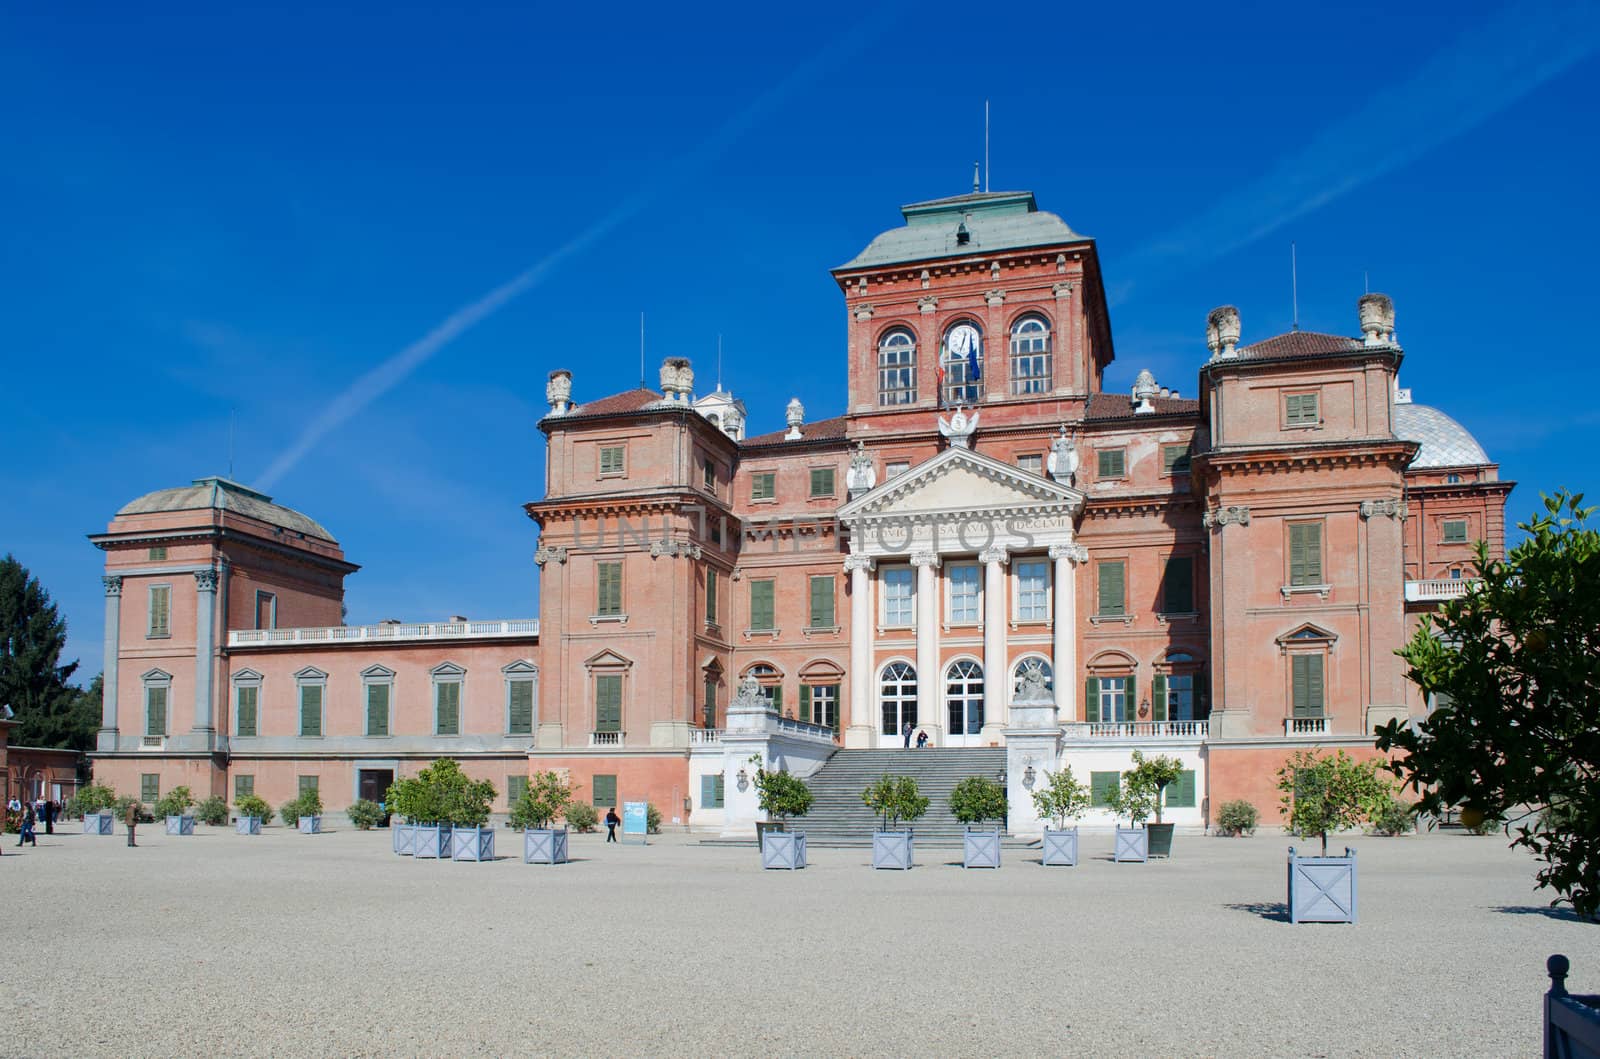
(1305, 726)
(1137, 729)
(1439, 588)
(705, 736)
(805, 729)
(605, 738)
(384, 633)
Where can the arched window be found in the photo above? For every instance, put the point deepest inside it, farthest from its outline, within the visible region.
(898, 693)
(961, 363)
(771, 684)
(897, 368)
(1030, 355)
(963, 696)
(1033, 662)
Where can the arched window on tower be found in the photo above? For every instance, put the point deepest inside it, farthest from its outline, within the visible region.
(961, 364)
(897, 368)
(1030, 355)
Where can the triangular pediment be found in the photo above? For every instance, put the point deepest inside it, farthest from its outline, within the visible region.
(961, 480)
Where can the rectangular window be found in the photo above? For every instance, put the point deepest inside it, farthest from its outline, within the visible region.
(157, 554)
(711, 596)
(1114, 699)
(243, 786)
(822, 602)
(612, 460)
(1033, 462)
(246, 709)
(708, 705)
(519, 706)
(762, 616)
(1103, 787)
(308, 783)
(1174, 459)
(764, 485)
(311, 709)
(608, 582)
(711, 792)
(1455, 531)
(1305, 553)
(155, 710)
(1300, 410)
(1180, 697)
(1033, 591)
(608, 702)
(708, 475)
(516, 787)
(964, 594)
(899, 596)
(819, 704)
(1180, 792)
(1177, 586)
(1113, 576)
(377, 708)
(447, 707)
(266, 610)
(160, 610)
(821, 481)
(896, 469)
(605, 792)
(149, 786)
(1111, 463)
(1305, 673)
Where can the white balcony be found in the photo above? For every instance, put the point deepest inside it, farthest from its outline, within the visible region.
(1137, 729)
(1305, 726)
(386, 633)
(1439, 589)
(705, 736)
(606, 738)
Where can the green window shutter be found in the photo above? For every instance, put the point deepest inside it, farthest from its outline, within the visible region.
(160, 610)
(308, 783)
(1455, 532)
(1103, 787)
(155, 714)
(516, 787)
(1314, 685)
(1305, 553)
(1111, 463)
(1314, 553)
(761, 606)
(1091, 700)
(377, 709)
(608, 703)
(608, 588)
(719, 790)
(711, 791)
(1158, 697)
(822, 481)
(605, 792)
(519, 706)
(249, 710)
(1175, 459)
(1113, 589)
(1306, 680)
(243, 787)
(711, 595)
(1177, 593)
(311, 709)
(762, 486)
(805, 704)
(1130, 702)
(1180, 792)
(447, 707)
(822, 602)
(777, 697)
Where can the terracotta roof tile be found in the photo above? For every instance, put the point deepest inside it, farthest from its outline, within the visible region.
(1300, 344)
(821, 430)
(1120, 406)
(627, 401)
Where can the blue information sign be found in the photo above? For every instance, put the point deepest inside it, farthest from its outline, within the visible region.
(635, 818)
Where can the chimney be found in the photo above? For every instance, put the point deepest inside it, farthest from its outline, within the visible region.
(677, 379)
(1144, 388)
(558, 391)
(1377, 319)
(1222, 331)
(794, 414)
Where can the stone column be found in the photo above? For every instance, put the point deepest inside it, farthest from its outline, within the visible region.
(205, 582)
(996, 688)
(861, 732)
(1064, 630)
(927, 565)
(107, 739)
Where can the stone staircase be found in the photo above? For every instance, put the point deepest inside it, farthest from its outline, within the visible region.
(838, 817)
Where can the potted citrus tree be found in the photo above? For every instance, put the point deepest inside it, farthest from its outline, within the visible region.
(974, 800)
(308, 809)
(1062, 798)
(253, 812)
(782, 796)
(94, 804)
(1157, 773)
(1135, 799)
(546, 797)
(174, 807)
(400, 800)
(1320, 794)
(894, 798)
(365, 814)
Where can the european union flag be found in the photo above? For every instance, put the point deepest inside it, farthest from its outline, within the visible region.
(974, 373)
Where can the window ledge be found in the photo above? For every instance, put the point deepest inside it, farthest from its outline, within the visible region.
(597, 619)
(714, 628)
(749, 633)
(1321, 591)
(821, 630)
(1304, 426)
(886, 629)
(1110, 619)
(158, 636)
(1168, 617)
(1017, 623)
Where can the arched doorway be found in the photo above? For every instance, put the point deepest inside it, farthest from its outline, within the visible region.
(963, 696)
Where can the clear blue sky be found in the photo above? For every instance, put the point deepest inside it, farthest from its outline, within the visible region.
(211, 212)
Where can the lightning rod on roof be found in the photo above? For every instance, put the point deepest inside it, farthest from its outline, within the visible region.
(1294, 287)
(719, 362)
(641, 349)
(986, 145)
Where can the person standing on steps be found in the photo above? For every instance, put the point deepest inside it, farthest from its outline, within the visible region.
(905, 733)
(922, 740)
(612, 820)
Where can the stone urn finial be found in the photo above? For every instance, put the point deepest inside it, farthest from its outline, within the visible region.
(1144, 388)
(1377, 318)
(558, 391)
(794, 414)
(1222, 330)
(677, 379)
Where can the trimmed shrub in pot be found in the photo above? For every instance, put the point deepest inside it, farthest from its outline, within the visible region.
(1236, 818)
(1155, 774)
(121, 809)
(581, 817)
(547, 796)
(1062, 798)
(894, 798)
(173, 807)
(252, 812)
(440, 798)
(1322, 794)
(310, 812)
(1390, 817)
(1134, 798)
(93, 803)
(365, 814)
(213, 812)
(974, 800)
(782, 796)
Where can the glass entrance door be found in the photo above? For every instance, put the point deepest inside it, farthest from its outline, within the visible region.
(963, 696)
(897, 694)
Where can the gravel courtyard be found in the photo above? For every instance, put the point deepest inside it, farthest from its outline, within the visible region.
(287, 944)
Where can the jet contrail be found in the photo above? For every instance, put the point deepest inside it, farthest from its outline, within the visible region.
(386, 376)
(1478, 75)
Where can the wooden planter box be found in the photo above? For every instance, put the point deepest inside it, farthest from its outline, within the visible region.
(980, 849)
(97, 823)
(1571, 1023)
(472, 843)
(180, 825)
(1133, 845)
(544, 845)
(1061, 847)
(783, 850)
(431, 842)
(1160, 839)
(1322, 889)
(248, 825)
(311, 825)
(404, 835)
(892, 849)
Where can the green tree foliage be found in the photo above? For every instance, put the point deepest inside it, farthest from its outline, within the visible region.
(652, 820)
(442, 794)
(895, 798)
(581, 817)
(145, 816)
(978, 798)
(1330, 793)
(213, 811)
(1237, 817)
(33, 680)
(365, 814)
(176, 802)
(91, 799)
(1514, 668)
(1153, 775)
(290, 812)
(546, 798)
(781, 795)
(254, 805)
(1062, 797)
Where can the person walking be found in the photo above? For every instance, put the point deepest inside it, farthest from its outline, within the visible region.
(50, 817)
(26, 832)
(905, 733)
(131, 818)
(612, 820)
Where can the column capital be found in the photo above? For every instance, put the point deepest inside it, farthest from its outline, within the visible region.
(852, 563)
(994, 555)
(1388, 507)
(1222, 516)
(925, 558)
(113, 584)
(1076, 553)
(205, 580)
